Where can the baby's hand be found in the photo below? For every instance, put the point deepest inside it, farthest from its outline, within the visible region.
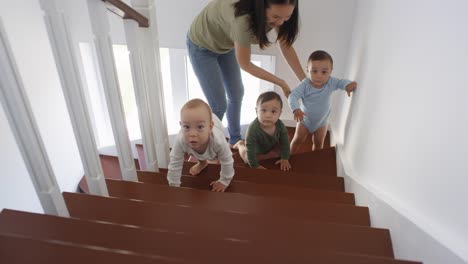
(351, 87)
(261, 167)
(299, 115)
(217, 186)
(284, 164)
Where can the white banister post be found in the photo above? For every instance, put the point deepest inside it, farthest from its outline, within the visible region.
(153, 76)
(141, 92)
(102, 41)
(24, 127)
(62, 47)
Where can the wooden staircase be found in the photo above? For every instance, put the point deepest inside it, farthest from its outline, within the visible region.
(266, 216)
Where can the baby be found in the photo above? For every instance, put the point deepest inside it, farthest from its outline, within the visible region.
(201, 136)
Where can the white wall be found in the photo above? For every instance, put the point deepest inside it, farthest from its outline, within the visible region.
(24, 25)
(174, 19)
(405, 144)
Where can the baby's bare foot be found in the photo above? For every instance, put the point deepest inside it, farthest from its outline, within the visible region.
(239, 143)
(197, 168)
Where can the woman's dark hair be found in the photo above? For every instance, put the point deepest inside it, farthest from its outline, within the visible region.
(319, 55)
(269, 96)
(256, 10)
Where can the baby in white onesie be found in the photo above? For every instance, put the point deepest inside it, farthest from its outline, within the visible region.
(202, 136)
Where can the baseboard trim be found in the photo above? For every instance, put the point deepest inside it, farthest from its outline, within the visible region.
(413, 237)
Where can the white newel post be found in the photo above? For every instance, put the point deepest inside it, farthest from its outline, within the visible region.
(102, 41)
(62, 47)
(152, 66)
(134, 44)
(23, 125)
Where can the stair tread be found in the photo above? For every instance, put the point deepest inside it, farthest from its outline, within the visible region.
(271, 177)
(158, 215)
(264, 190)
(297, 242)
(322, 162)
(241, 203)
(12, 250)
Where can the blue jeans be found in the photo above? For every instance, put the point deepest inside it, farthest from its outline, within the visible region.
(220, 77)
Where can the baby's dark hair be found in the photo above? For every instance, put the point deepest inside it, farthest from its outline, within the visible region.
(268, 96)
(320, 55)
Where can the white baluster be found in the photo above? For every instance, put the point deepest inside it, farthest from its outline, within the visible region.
(152, 65)
(67, 67)
(102, 41)
(132, 33)
(18, 111)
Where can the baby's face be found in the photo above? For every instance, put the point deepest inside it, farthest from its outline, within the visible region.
(269, 112)
(319, 72)
(196, 126)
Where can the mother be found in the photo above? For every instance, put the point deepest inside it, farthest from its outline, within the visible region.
(218, 43)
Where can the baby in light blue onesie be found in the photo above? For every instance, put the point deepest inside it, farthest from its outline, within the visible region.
(315, 93)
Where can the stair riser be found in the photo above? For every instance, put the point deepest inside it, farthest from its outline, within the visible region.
(271, 207)
(263, 190)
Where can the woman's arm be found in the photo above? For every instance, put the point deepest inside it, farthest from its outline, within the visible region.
(290, 55)
(243, 58)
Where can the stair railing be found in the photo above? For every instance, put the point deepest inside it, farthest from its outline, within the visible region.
(143, 46)
(144, 54)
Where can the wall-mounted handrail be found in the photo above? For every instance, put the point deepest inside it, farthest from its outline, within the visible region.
(126, 12)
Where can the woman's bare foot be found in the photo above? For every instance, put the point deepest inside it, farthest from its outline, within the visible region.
(239, 143)
(197, 168)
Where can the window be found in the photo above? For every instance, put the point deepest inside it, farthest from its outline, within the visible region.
(96, 97)
(179, 82)
(179, 79)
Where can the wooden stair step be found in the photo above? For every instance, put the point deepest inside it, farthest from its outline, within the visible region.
(171, 217)
(277, 245)
(12, 250)
(323, 182)
(242, 203)
(233, 226)
(217, 224)
(22, 250)
(140, 240)
(265, 190)
(321, 162)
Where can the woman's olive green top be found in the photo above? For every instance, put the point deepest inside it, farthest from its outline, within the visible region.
(216, 28)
